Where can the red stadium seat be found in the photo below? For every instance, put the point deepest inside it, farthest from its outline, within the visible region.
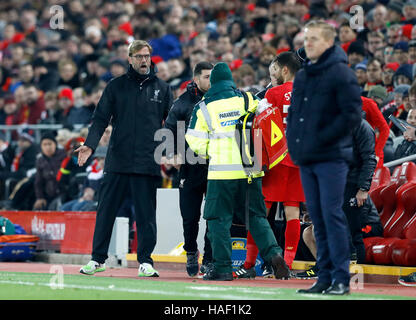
(382, 251)
(397, 217)
(409, 230)
(404, 252)
(386, 199)
(406, 208)
(381, 179)
(368, 243)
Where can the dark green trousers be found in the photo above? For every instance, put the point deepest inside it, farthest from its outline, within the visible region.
(224, 199)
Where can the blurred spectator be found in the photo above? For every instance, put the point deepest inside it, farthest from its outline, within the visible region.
(401, 52)
(163, 71)
(361, 73)
(409, 12)
(24, 160)
(412, 51)
(387, 77)
(394, 14)
(88, 200)
(356, 53)
(375, 41)
(30, 112)
(68, 74)
(6, 154)
(254, 46)
(26, 73)
(403, 75)
(117, 68)
(75, 111)
(52, 114)
(69, 186)
(44, 78)
(346, 35)
(407, 148)
(374, 73)
(10, 110)
(47, 166)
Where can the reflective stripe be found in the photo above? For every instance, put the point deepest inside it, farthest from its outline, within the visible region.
(65, 171)
(205, 113)
(197, 134)
(225, 167)
(222, 135)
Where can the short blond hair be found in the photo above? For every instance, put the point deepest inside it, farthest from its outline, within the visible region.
(138, 45)
(328, 31)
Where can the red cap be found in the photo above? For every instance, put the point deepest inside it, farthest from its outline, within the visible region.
(66, 93)
(392, 65)
(407, 31)
(126, 27)
(157, 59)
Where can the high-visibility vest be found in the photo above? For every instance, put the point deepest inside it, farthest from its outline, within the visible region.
(211, 133)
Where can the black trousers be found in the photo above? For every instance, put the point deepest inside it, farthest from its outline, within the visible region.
(114, 189)
(354, 218)
(190, 201)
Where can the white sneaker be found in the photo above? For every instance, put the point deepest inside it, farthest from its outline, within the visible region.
(92, 267)
(146, 270)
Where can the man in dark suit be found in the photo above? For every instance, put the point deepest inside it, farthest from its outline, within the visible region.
(325, 107)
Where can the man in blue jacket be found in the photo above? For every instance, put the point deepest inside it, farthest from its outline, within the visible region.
(325, 107)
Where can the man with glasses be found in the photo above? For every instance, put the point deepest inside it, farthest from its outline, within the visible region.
(136, 104)
(375, 41)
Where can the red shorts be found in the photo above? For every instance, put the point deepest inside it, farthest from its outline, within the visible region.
(283, 184)
(286, 204)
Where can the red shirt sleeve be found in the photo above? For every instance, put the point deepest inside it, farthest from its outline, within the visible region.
(376, 120)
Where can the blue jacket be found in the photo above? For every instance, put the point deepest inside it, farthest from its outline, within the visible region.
(325, 107)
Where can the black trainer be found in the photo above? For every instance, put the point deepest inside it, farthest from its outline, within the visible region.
(243, 273)
(337, 289)
(212, 274)
(317, 287)
(311, 273)
(192, 266)
(205, 267)
(409, 280)
(267, 270)
(280, 268)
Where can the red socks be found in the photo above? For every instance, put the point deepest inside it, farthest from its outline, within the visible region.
(292, 235)
(252, 252)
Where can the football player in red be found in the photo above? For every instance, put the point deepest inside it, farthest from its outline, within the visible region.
(282, 183)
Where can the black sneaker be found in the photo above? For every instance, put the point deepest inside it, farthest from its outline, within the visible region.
(311, 273)
(205, 267)
(243, 273)
(409, 280)
(280, 268)
(212, 274)
(267, 271)
(192, 266)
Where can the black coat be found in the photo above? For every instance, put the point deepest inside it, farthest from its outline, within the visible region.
(364, 161)
(136, 105)
(325, 107)
(181, 110)
(46, 185)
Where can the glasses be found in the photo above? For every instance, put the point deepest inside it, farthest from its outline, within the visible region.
(141, 56)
